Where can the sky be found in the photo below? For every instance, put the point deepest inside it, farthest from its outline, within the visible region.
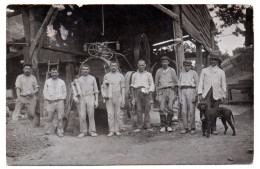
(226, 42)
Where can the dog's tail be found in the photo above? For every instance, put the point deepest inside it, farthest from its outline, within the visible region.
(233, 118)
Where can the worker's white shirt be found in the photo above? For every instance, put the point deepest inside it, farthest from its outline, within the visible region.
(54, 89)
(213, 77)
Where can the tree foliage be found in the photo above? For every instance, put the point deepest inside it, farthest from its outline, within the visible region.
(236, 14)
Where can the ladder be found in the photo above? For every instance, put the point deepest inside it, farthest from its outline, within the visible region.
(49, 65)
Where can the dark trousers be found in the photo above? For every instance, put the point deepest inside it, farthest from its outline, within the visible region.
(212, 104)
(143, 105)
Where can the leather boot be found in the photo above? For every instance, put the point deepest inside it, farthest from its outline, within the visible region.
(163, 123)
(169, 121)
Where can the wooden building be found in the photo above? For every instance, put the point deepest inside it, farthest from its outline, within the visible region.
(58, 34)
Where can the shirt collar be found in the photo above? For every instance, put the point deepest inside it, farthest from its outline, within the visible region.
(214, 68)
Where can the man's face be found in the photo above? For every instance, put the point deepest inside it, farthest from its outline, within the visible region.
(187, 67)
(213, 62)
(27, 70)
(85, 70)
(54, 74)
(141, 66)
(113, 67)
(165, 63)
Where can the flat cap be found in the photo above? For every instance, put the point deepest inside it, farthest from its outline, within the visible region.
(165, 58)
(187, 62)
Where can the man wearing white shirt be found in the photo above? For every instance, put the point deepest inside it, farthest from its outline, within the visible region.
(142, 85)
(54, 93)
(212, 85)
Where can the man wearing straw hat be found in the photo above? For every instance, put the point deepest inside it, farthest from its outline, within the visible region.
(212, 84)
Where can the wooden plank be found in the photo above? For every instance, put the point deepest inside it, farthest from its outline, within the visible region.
(192, 31)
(167, 11)
(179, 49)
(68, 51)
(41, 31)
(199, 57)
(26, 25)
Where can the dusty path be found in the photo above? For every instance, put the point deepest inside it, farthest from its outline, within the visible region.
(149, 148)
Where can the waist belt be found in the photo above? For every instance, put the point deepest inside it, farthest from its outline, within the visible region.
(188, 87)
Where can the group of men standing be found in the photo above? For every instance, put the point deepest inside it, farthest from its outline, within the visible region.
(186, 89)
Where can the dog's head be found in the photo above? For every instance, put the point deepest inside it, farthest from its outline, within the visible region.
(203, 107)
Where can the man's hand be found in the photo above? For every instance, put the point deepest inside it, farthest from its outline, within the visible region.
(195, 99)
(133, 101)
(180, 100)
(96, 104)
(123, 103)
(200, 98)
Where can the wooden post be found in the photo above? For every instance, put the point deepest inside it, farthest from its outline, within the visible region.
(179, 50)
(199, 60)
(37, 38)
(26, 26)
(69, 76)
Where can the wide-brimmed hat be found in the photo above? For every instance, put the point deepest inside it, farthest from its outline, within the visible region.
(187, 62)
(165, 58)
(216, 54)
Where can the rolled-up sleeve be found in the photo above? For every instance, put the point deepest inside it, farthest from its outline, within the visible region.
(174, 77)
(63, 90)
(45, 91)
(223, 84)
(122, 82)
(151, 83)
(18, 83)
(202, 74)
(35, 83)
(95, 86)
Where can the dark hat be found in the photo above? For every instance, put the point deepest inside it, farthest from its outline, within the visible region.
(215, 54)
(27, 64)
(187, 62)
(165, 58)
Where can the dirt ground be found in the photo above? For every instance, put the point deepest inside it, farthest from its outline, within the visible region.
(28, 146)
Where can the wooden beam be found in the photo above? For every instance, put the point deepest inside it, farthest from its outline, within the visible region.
(179, 49)
(41, 31)
(69, 51)
(15, 13)
(199, 61)
(167, 11)
(41, 40)
(26, 26)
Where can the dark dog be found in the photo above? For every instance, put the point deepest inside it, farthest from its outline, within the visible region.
(209, 117)
(225, 115)
(205, 118)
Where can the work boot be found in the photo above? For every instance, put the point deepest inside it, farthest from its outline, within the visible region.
(214, 133)
(163, 129)
(60, 135)
(163, 122)
(169, 128)
(193, 131)
(110, 134)
(137, 130)
(184, 131)
(82, 135)
(93, 134)
(118, 133)
(169, 122)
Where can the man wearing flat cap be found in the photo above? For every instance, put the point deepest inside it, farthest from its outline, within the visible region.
(166, 83)
(212, 84)
(26, 89)
(188, 83)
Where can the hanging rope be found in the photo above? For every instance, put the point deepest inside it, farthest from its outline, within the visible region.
(103, 22)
